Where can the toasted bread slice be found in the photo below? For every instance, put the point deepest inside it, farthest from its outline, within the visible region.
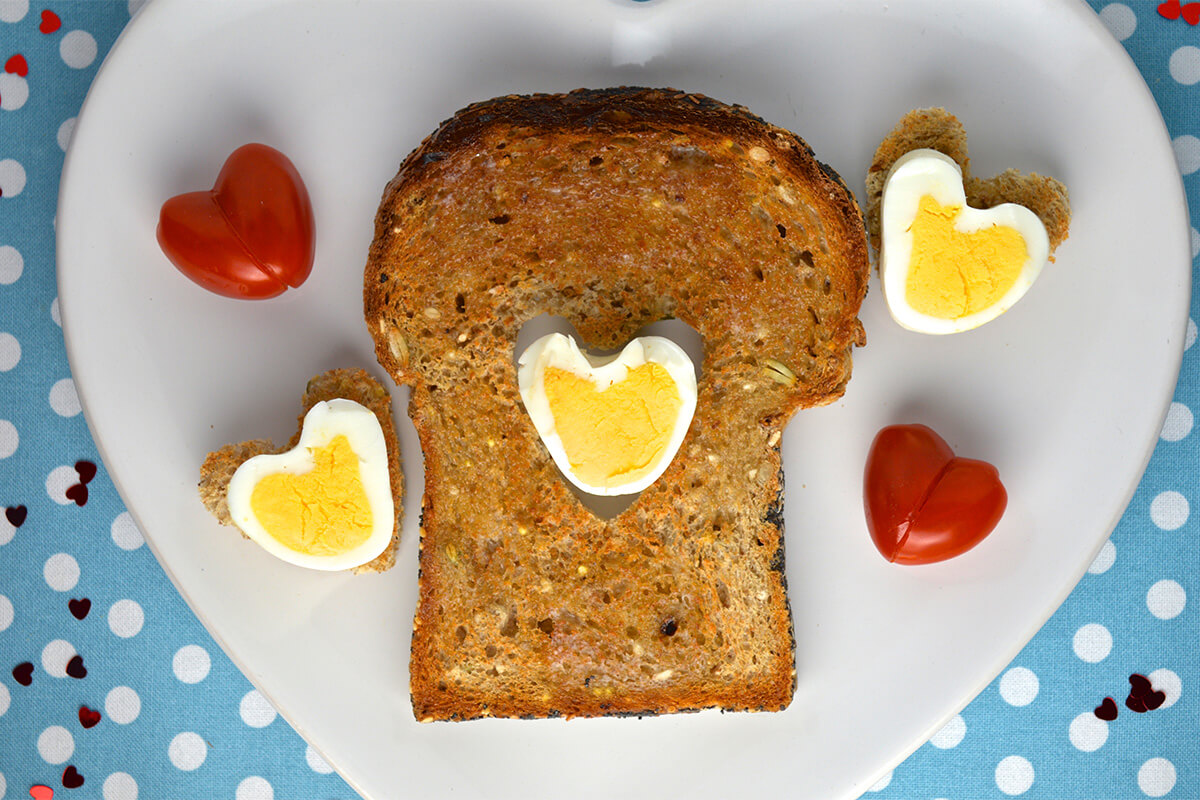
(612, 209)
(350, 384)
(938, 129)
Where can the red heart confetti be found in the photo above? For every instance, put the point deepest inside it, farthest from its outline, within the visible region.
(77, 492)
(1143, 696)
(86, 471)
(1169, 9)
(249, 237)
(88, 717)
(41, 792)
(23, 673)
(50, 22)
(16, 515)
(75, 667)
(71, 778)
(17, 65)
(1191, 13)
(924, 504)
(79, 608)
(1107, 710)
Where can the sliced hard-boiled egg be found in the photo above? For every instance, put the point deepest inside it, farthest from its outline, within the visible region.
(611, 423)
(947, 267)
(326, 503)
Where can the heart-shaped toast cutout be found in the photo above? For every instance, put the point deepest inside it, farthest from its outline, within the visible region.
(249, 237)
(924, 504)
(945, 266)
(611, 423)
(326, 503)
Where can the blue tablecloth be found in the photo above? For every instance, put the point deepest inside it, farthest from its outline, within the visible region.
(110, 687)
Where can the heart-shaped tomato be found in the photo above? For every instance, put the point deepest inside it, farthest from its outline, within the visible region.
(249, 237)
(924, 504)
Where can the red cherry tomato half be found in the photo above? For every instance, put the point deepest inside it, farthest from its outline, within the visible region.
(924, 504)
(249, 237)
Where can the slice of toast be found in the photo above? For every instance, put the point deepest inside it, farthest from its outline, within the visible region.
(938, 129)
(612, 209)
(350, 384)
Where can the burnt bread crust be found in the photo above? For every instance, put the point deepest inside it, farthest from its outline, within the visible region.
(612, 209)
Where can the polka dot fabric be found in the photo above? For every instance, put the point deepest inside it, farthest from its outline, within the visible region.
(109, 685)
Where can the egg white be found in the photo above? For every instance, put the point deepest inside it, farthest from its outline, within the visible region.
(324, 422)
(561, 351)
(928, 172)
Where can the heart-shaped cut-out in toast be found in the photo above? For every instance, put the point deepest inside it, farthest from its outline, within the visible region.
(612, 424)
(923, 504)
(249, 237)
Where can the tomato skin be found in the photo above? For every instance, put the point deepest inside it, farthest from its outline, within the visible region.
(922, 503)
(249, 237)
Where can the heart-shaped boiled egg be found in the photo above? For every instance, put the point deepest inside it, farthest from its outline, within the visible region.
(611, 423)
(327, 503)
(947, 267)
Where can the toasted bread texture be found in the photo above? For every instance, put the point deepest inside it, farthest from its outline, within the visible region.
(938, 129)
(612, 209)
(350, 384)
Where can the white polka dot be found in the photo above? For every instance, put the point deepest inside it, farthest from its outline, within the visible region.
(1014, 775)
(55, 656)
(1184, 65)
(1156, 777)
(255, 710)
(55, 745)
(14, 91)
(187, 751)
(7, 531)
(5, 700)
(1190, 338)
(1092, 643)
(1167, 682)
(1019, 686)
(315, 762)
(255, 788)
(12, 178)
(61, 572)
(125, 533)
(54, 315)
(1178, 423)
(64, 133)
(10, 351)
(9, 438)
(58, 481)
(125, 618)
(3, 783)
(1187, 153)
(882, 783)
(1104, 559)
(1169, 510)
(1119, 19)
(63, 398)
(191, 663)
(123, 705)
(13, 11)
(6, 612)
(951, 734)
(1166, 599)
(120, 786)
(1088, 732)
(78, 49)
(12, 264)
(1195, 243)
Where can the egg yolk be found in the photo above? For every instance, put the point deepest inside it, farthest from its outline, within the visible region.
(322, 512)
(616, 434)
(953, 274)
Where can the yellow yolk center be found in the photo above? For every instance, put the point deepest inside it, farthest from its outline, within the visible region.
(952, 274)
(616, 434)
(322, 512)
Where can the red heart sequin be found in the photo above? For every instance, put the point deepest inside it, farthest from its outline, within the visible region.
(23, 673)
(17, 65)
(923, 504)
(86, 470)
(249, 237)
(16, 515)
(88, 717)
(79, 608)
(1107, 710)
(50, 22)
(77, 492)
(75, 667)
(41, 792)
(71, 778)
